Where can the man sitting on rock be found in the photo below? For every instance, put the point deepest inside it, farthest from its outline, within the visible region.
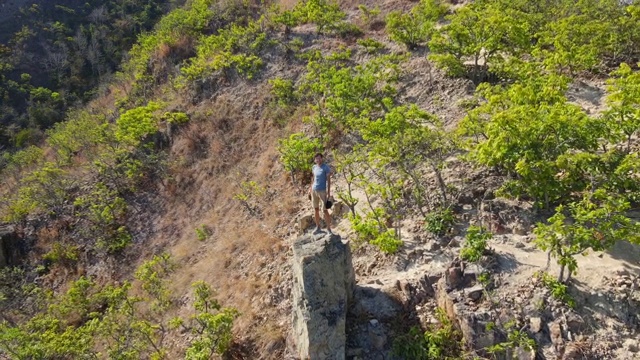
(320, 190)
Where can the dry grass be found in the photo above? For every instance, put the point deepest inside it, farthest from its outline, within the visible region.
(227, 142)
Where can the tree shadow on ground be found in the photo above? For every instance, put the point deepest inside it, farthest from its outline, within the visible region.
(506, 262)
(628, 253)
(593, 307)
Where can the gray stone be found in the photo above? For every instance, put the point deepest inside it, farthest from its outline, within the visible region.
(305, 222)
(555, 332)
(535, 324)
(323, 285)
(433, 246)
(473, 323)
(632, 346)
(455, 242)
(472, 272)
(522, 353)
(377, 337)
(474, 293)
(454, 277)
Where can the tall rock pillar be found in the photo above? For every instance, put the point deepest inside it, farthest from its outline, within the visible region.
(323, 284)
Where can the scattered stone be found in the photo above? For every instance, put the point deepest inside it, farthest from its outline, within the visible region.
(520, 229)
(454, 277)
(304, 223)
(632, 346)
(377, 337)
(555, 331)
(455, 242)
(535, 324)
(522, 353)
(433, 246)
(475, 293)
(519, 245)
(466, 198)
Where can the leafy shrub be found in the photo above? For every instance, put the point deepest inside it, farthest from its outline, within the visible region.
(250, 192)
(440, 222)
(416, 27)
(372, 230)
(515, 339)
(81, 132)
(177, 118)
(283, 91)
(598, 221)
(369, 15)
(387, 241)
(62, 253)
(212, 325)
(202, 233)
(236, 47)
(558, 289)
(133, 126)
(441, 341)
(371, 46)
(105, 211)
(476, 244)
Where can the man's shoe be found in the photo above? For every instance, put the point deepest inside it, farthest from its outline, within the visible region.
(329, 232)
(317, 230)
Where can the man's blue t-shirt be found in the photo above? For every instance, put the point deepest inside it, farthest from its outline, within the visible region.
(320, 174)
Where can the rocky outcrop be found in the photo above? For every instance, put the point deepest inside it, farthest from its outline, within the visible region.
(323, 285)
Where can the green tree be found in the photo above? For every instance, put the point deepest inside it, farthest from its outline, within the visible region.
(417, 26)
(596, 222)
(211, 325)
(296, 153)
(482, 34)
(523, 128)
(135, 125)
(623, 115)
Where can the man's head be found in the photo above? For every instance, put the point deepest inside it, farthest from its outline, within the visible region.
(318, 158)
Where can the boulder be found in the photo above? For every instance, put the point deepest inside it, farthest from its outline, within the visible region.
(323, 285)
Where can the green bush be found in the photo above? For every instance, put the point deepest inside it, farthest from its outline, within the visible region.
(202, 233)
(371, 229)
(476, 245)
(440, 222)
(416, 27)
(177, 118)
(371, 46)
(212, 325)
(558, 289)
(441, 341)
(62, 253)
(283, 91)
(135, 125)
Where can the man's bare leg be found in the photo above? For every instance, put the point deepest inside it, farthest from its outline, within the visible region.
(327, 219)
(317, 218)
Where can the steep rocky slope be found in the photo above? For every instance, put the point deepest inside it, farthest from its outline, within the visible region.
(232, 138)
